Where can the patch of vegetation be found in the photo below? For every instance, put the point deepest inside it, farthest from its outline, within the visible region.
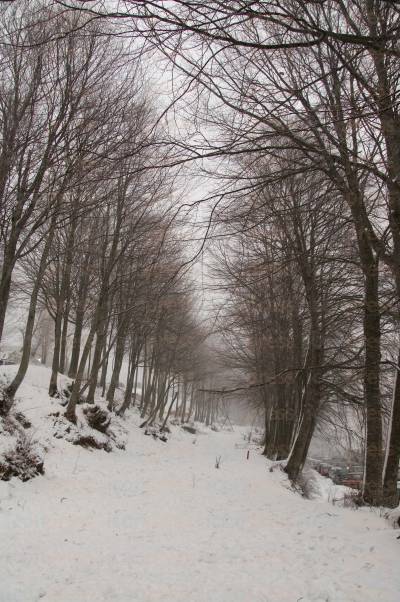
(21, 461)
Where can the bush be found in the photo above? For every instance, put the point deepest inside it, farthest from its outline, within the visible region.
(5, 400)
(22, 461)
(97, 417)
(156, 433)
(96, 428)
(190, 429)
(8, 425)
(353, 499)
(90, 442)
(23, 420)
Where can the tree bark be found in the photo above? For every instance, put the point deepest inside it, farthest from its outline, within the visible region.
(119, 356)
(79, 319)
(101, 339)
(27, 345)
(392, 459)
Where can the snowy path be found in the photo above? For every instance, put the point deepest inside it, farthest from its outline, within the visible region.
(160, 523)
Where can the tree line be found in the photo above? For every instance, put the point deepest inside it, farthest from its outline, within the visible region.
(301, 100)
(310, 131)
(90, 224)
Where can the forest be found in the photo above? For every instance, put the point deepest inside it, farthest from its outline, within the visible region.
(200, 221)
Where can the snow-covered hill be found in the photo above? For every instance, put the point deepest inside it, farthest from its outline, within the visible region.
(158, 522)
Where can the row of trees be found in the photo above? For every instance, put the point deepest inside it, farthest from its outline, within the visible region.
(89, 229)
(293, 323)
(307, 92)
(319, 238)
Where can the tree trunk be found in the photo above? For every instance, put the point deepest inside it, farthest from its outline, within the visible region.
(392, 459)
(53, 386)
(70, 412)
(105, 359)
(66, 283)
(26, 350)
(119, 356)
(5, 281)
(100, 342)
(372, 491)
(132, 375)
(79, 318)
(312, 392)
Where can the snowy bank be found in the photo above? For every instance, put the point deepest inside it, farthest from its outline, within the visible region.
(157, 522)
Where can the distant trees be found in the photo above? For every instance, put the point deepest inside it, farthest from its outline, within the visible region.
(88, 217)
(287, 278)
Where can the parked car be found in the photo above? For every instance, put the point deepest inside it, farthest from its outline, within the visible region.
(337, 474)
(353, 480)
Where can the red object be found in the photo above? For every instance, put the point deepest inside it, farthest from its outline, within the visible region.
(353, 481)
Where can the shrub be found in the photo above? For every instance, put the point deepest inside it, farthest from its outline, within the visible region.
(190, 429)
(5, 400)
(97, 417)
(90, 442)
(353, 499)
(22, 461)
(23, 420)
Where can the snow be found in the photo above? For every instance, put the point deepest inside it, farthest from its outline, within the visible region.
(158, 522)
(318, 487)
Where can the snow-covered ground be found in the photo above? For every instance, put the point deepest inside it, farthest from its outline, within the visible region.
(158, 522)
